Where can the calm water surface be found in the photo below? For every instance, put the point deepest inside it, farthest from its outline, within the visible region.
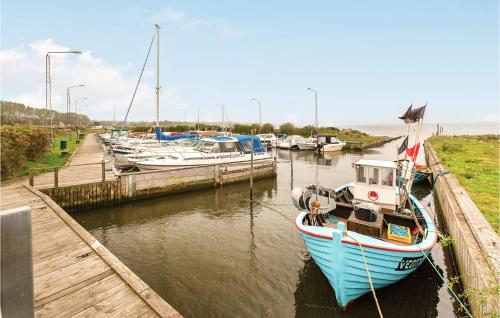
(213, 253)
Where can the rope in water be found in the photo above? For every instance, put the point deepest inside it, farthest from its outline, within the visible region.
(369, 276)
(447, 285)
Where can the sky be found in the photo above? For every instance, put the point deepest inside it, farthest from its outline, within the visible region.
(368, 60)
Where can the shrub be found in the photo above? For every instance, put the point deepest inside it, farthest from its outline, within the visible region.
(18, 144)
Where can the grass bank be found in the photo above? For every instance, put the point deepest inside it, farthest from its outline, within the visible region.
(51, 158)
(363, 139)
(473, 160)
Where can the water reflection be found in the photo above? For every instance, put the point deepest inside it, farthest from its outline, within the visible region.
(216, 253)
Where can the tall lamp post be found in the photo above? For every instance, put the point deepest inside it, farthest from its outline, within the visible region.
(315, 106)
(80, 111)
(77, 121)
(222, 109)
(260, 111)
(68, 101)
(48, 81)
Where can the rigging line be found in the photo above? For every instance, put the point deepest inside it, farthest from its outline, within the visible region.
(138, 81)
(447, 285)
(368, 273)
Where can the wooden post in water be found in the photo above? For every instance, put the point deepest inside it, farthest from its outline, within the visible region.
(56, 181)
(31, 178)
(103, 171)
(16, 263)
(251, 171)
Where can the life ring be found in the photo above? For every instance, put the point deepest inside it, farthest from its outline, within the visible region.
(373, 196)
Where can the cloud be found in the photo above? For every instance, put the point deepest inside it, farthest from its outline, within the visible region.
(23, 80)
(180, 18)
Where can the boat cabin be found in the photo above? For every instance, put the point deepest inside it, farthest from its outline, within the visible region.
(375, 183)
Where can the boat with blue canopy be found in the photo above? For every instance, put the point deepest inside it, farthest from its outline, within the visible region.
(210, 151)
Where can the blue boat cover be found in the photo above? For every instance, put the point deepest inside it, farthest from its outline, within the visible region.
(162, 136)
(245, 143)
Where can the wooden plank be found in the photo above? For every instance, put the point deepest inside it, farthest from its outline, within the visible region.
(111, 305)
(61, 260)
(58, 280)
(83, 298)
(41, 302)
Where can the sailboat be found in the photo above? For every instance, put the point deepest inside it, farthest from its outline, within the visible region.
(370, 233)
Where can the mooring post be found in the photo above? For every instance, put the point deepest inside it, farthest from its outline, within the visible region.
(103, 170)
(251, 171)
(31, 178)
(56, 181)
(16, 263)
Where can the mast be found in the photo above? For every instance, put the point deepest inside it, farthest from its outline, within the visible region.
(157, 75)
(198, 122)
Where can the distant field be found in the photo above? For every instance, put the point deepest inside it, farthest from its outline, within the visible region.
(473, 160)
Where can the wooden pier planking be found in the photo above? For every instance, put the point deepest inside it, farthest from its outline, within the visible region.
(73, 273)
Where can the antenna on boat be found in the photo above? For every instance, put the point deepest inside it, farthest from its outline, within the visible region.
(157, 75)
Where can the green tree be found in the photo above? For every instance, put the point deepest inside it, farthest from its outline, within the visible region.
(267, 128)
(287, 128)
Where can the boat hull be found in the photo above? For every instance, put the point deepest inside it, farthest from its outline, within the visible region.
(339, 258)
(332, 148)
(173, 164)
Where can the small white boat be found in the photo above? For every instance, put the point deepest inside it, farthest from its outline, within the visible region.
(210, 151)
(291, 142)
(330, 144)
(267, 139)
(308, 143)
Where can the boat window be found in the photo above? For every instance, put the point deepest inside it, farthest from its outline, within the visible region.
(227, 147)
(206, 146)
(247, 146)
(216, 148)
(361, 174)
(373, 176)
(387, 178)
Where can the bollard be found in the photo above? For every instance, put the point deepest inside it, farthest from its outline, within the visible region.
(16, 263)
(31, 178)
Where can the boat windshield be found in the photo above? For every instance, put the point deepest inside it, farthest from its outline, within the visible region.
(206, 146)
(227, 146)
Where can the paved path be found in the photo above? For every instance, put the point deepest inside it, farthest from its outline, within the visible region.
(74, 275)
(85, 166)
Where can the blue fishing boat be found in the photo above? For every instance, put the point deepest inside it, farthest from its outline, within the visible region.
(367, 234)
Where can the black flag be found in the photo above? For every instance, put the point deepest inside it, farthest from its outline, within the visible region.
(407, 113)
(413, 115)
(403, 146)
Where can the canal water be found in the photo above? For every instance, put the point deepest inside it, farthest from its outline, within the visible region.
(214, 253)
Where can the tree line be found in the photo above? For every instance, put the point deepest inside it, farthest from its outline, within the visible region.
(16, 113)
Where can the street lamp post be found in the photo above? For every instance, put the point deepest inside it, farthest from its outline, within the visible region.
(68, 101)
(77, 120)
(80, 111)
(315, 107)
(260, 111)
(48, 82)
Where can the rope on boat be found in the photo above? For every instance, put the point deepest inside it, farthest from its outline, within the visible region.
(447, 285)
(369, 276)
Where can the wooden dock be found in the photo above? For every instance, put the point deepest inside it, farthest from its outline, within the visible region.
(73, 273)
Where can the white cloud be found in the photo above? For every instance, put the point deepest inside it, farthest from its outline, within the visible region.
(23, 80)
(180, 18)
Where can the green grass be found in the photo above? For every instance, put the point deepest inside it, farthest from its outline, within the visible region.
(473, 160)
(52, 158)
(363, 139)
